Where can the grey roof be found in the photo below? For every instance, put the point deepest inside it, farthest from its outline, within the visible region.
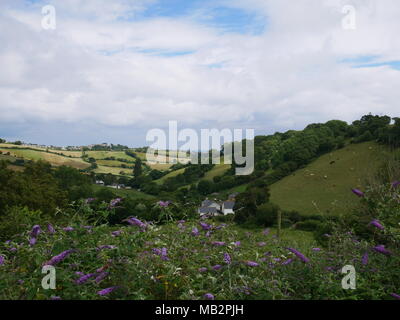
(207, 203)
(208, 210)
(229, 204)
(232, 195)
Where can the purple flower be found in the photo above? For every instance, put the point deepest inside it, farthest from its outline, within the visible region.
(299, 255)
(316, 249)
(36, 230)
(51, 229)
(101, 276)
(195, 232)
(136, 222)
(288, 261)
(364, 259)
(395, 184)
(218, 243)
(227, 258)
(382, 249)
(157, 251)
(261, 244)
(358, 192)
(164, 254)
(114, 202)
(252, 264)
(68, 229)
(116, 233)
(2, 260)
(377, 224)
(57, 259)
(395, 295)
(85, 278)
(55, 298)
(237, 243)
(164, 204)
(203, 269)
(106, 291)
(266, 232)
(32, 241)
(217, 267)
(205, 226)
(209, 296)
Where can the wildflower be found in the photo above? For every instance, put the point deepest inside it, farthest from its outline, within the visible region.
(377, 224)
(364, 259)
(51, 229)
(36, 230)
(68, 229)
(32, 241)
(218, 243)
(252, 264)
(208, 234)
(2, 260)
(157, 251)
(261, 244)
(227, 258)
(205, 226)
(164, 255)
(209, 296)
(299, 255)
(85, 278)
(203, 269)
(55, 298)
(195, 232)
(237, 243)
(116, 233)
(395, 295)
(266, 232)
(164, 204)
(217, 267)
(316, 249)
(395, 184)
(114, 202)
(106, 291)
(57, 259)
(101, 276)
(136, 222)
(382, 249)
(288, 261)
(358, 192)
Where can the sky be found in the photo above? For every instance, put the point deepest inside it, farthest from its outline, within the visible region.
(113, 70)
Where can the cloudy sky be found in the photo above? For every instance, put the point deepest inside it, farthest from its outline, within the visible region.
(113, 69)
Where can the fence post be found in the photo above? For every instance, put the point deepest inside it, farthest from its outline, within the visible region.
(279, 223)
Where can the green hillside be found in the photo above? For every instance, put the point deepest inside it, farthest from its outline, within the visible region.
(324, 186)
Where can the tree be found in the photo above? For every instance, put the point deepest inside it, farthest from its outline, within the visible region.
(137, 171)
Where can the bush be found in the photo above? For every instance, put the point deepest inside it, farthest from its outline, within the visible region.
(308, 225)
(267, 215)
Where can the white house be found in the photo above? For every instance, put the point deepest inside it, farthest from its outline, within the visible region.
(227, 207)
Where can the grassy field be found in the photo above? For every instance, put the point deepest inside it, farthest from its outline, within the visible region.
(218, 170)
(99, 155)
(113, 163)
(126, 193)
(54, 159)
(325, 185)
(113, 170)
(169, 175)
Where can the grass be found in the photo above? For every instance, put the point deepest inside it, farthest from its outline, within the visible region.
(218, 170)
(135, 194)
(100, 155)
(325, 186)
(113, 163)
(113, 170)
(54, 159)
(170, 175)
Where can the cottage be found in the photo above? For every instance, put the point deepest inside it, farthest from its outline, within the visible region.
(100, 182)
(227, 207)
(208, 211)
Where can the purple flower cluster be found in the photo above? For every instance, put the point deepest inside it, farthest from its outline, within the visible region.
(205, 226)
(209, 296)
(227, 258)
(57, 259)
(136, 222)
(381, 249)
(36, 230)
(164, 204)
(2, 260)
(114, 203)
(218, 243)
(358, 192)
(106, 291)
(195, 232)
(252, 264)
(51, 229)
(377, 224)
(163, 253)
(299, 255)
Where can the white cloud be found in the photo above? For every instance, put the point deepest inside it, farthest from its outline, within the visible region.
(96, 65)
